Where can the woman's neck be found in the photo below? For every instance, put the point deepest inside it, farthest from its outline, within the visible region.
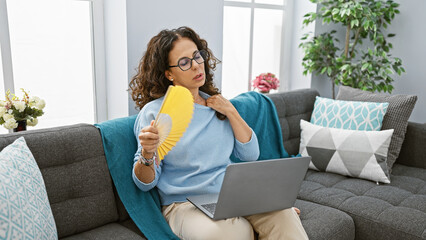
(197, 98)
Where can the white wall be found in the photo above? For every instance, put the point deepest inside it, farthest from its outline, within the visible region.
(409, 45)
(296, 78)
(147, 18)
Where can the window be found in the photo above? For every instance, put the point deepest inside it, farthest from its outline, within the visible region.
(2, 130)
(252, 42)
(53, 54)
(1, 75)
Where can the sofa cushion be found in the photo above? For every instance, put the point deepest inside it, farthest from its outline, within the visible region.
(132, 226)
(113, 231)
(397, 115)
(76, 175)
(360, 154)
(392, 211)
(325, 223)
(24, 206)
(352, 115)
(291, 107)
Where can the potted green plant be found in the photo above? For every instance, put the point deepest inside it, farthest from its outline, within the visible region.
(365, 67)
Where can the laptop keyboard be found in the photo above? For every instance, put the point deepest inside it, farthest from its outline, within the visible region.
(210, 207)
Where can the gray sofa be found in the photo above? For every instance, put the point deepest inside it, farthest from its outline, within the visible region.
(386, 211)
(85, 204)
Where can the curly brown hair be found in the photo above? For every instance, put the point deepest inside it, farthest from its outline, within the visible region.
(150, 81)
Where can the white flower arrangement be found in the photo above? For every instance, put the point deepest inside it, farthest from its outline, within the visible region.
(13, 110)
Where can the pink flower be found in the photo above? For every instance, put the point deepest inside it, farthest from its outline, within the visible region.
(265, 82)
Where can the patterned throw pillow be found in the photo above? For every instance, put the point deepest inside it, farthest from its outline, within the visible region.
(360, 154)
(352, 115)
(397, 115)
(24, 207)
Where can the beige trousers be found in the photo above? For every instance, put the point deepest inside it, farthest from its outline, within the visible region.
(189, 223)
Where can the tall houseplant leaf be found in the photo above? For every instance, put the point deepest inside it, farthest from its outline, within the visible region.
(369, 67)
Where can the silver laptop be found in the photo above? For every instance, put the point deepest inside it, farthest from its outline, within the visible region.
(255, 187)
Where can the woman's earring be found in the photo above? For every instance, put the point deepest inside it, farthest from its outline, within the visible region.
(171, 79)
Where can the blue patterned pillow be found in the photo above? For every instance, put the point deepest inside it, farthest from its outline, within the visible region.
(351, 115)
(25, 211)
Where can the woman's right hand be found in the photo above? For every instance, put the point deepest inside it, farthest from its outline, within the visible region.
(149, 140)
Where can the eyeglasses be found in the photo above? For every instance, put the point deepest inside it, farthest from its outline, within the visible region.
(185, 63)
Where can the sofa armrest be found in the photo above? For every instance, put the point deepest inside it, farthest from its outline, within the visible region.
(413, 151)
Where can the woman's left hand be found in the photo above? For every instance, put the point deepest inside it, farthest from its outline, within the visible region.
(297, 210)
(220, 104)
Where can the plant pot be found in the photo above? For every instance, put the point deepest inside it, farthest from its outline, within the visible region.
(22, 126)
(264, 92)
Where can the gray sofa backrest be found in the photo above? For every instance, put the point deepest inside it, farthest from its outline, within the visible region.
(413, 151)
(291, 107)
(75, 172)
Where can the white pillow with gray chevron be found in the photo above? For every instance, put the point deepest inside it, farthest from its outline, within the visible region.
(359, 154)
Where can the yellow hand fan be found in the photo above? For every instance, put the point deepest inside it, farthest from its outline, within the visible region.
(173, 118)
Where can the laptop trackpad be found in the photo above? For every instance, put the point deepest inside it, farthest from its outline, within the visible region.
(206, 203)
(210, 207)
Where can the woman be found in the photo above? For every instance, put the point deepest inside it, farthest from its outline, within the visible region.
(196, 165)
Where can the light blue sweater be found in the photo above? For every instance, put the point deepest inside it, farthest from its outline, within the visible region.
(197, 164)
